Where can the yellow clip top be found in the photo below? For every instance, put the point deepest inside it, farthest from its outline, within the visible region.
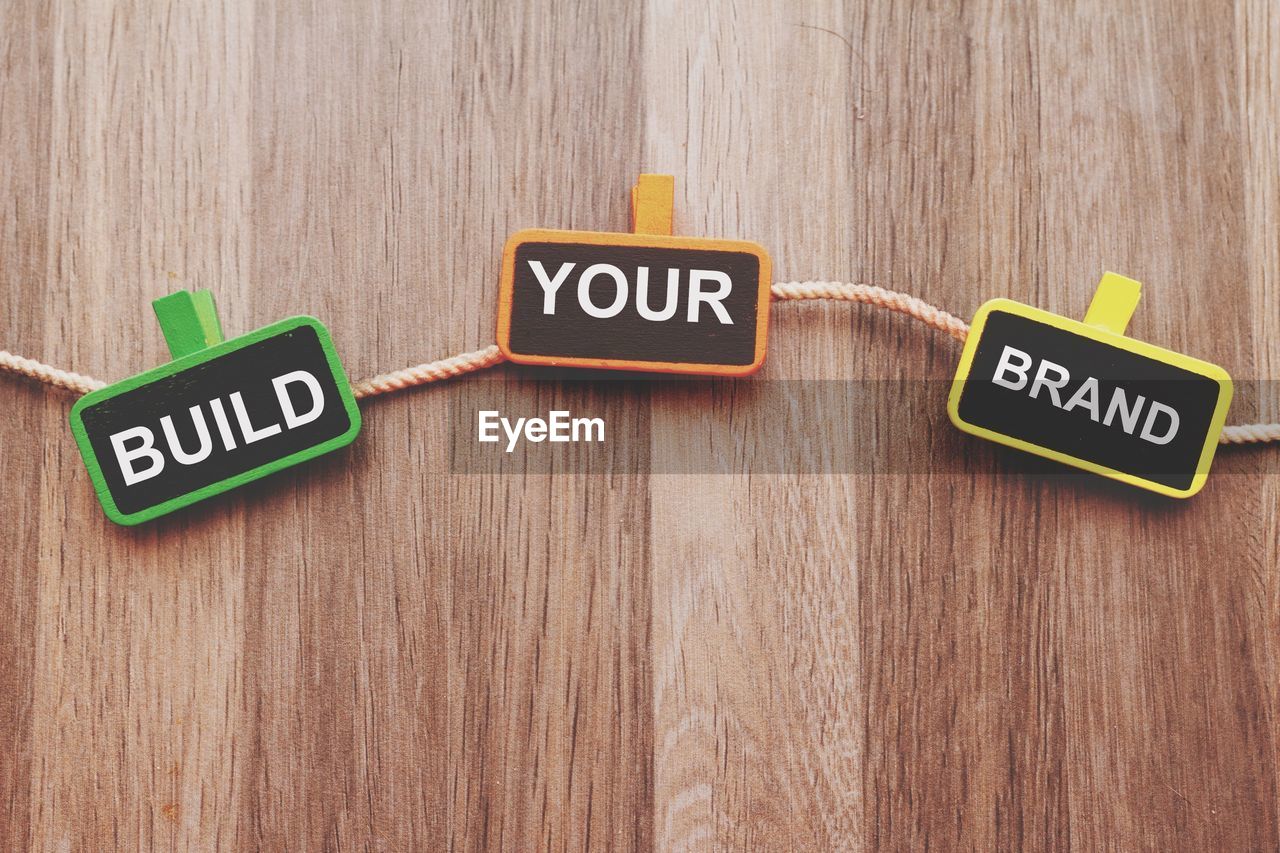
(1113, 303)
(652, 201)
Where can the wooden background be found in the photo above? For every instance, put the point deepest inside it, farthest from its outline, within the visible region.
(372, 652)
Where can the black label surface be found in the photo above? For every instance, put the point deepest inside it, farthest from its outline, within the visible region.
(635, 303)
(253, 406)
(1064, 392)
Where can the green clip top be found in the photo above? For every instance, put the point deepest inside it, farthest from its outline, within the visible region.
(189, 321)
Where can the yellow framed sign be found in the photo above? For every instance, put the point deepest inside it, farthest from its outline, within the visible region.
(635, 301)
(1084, 394)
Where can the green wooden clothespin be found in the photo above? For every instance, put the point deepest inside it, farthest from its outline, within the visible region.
(189, 321)
(219, 415)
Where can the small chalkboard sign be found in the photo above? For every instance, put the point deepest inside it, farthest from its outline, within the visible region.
(1087, 395)
(220, 415)
(639, 301)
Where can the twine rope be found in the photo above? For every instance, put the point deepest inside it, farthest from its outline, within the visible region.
(48, 374)
(469, 362)
(867, 294)
(431, 371)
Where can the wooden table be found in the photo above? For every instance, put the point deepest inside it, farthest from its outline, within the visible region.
(378, 651)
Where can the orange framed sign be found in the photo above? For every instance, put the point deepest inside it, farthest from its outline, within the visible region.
(643, 301)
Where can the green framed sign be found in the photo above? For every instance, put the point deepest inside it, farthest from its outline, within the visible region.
(221, 414)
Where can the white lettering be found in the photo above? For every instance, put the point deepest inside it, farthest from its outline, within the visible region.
(709, 288)
(1128, 417)
(558, 427)
(291, 418)
(1161, 423)
(590, 427)
(1042, 381)
(202, 433)
(140, 458)
(224, 427)
(642, 295)
(697, 297)
(1088, 400)
(246, 428)
(513, 433)
(125, 457)
(1152, 413)
(584, 290)
(550, 286)
(488, 426)
(1007, 365)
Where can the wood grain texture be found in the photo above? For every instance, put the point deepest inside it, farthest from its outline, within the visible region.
(384, 651)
